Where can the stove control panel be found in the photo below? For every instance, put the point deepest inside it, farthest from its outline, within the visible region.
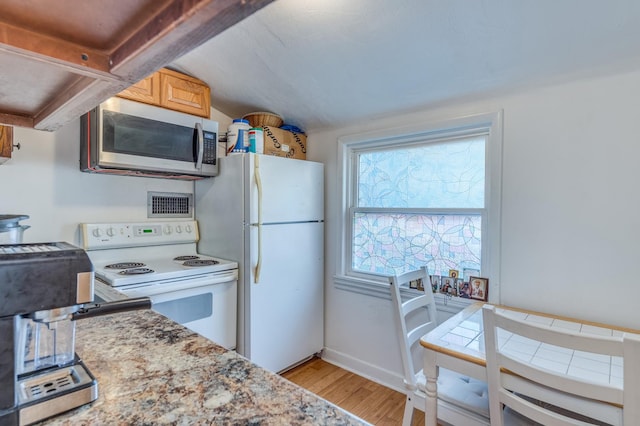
(136, 234)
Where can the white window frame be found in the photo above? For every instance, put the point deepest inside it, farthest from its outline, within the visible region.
(348, 147)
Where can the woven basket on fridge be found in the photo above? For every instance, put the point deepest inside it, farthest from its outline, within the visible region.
(262, 119)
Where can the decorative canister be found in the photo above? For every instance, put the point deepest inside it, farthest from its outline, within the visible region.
(256, 140)
(238, 136)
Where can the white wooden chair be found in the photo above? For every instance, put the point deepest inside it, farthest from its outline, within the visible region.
(467, 398)
(518, 389)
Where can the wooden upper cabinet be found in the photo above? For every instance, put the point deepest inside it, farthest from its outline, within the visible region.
(184, 93)
(146, 90)
(173, 90)
(6, 143)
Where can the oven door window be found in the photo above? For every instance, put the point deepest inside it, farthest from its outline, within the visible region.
(127, 134)
(187, 309)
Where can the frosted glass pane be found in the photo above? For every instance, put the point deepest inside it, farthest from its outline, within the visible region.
(395, 243)
(438, 175)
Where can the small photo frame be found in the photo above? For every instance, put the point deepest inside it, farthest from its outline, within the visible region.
(447, 284)
(435, 282)
(416, 284)
(479, 288)
(464, 290)
(453, 273)
(459, 287)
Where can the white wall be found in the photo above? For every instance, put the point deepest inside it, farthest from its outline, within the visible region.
(43, 180)
(570, 203)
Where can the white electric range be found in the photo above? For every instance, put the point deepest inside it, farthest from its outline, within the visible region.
(159, 260)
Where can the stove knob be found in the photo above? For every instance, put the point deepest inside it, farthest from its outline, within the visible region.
(167, 230)
(110, 231)
(97, 233)
(179, 229)
(187, 229)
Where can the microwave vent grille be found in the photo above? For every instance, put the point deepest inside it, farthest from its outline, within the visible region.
(169, 204)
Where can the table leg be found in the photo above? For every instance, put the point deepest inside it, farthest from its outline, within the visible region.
(431, 373)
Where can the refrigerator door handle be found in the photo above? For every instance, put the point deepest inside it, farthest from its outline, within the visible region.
(256, 278)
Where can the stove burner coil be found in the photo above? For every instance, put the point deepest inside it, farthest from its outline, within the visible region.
(136, 271)
(181, 258)
(200, 262)
(125, 265)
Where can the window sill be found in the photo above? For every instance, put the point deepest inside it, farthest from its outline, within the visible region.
(362, 286)
(381, 290)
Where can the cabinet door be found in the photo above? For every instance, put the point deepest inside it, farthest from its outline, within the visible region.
(6, 143)
(146, 90)
(185, 94)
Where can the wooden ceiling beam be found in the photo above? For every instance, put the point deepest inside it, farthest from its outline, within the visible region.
(54, 51)
(180, 27)
(78, 98)
(16, 120)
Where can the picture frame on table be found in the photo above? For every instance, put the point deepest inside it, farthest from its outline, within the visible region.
(479, 288)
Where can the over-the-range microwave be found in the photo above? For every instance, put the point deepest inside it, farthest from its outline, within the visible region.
(131, 138)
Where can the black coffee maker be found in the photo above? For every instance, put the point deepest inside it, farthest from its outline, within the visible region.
(44, 288)
(41, 285)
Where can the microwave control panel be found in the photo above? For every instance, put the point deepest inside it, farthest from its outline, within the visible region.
(210, 148)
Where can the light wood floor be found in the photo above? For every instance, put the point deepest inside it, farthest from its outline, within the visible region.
(368, 400)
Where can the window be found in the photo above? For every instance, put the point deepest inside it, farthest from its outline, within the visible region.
(422, 196)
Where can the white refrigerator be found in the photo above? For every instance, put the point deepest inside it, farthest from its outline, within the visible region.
(267, 214)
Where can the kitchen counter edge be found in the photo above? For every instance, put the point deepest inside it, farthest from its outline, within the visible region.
(151, 370)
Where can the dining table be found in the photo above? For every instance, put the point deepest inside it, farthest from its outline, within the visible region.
(458, 344)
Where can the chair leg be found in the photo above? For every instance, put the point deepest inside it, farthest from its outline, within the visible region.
(407, 418)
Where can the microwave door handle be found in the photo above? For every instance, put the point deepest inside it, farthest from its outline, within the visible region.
(200, 146)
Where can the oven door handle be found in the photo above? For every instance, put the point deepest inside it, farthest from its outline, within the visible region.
(200, 143)
(178, 284)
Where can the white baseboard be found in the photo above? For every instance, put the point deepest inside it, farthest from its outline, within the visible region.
(446, 306)
(369, 371)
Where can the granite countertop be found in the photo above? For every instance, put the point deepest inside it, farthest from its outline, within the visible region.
(151, 370)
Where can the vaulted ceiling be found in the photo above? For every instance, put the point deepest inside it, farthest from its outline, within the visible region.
(325, 63)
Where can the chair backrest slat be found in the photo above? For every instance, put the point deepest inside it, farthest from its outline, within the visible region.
(565, 338)
(562, 383)
(557, 397)
(408, 333)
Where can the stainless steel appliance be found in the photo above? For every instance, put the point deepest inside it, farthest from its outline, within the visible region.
(44, 287)
(125, 137)
(159, 260)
